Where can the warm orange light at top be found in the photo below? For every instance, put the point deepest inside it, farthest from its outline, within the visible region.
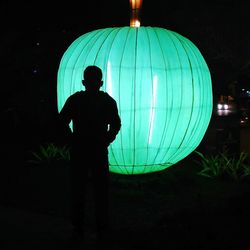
(135, 6)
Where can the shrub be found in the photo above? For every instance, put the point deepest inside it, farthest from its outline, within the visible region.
(222, 165)
(49, 154)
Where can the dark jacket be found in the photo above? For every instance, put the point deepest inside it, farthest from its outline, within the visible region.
(95, 119)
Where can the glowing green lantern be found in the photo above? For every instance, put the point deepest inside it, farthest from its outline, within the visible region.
(162, 86)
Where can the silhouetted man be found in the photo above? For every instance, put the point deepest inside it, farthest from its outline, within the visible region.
(96, 123)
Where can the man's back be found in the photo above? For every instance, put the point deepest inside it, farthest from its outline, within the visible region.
(95, 118)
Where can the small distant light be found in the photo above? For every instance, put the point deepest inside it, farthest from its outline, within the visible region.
(225, 106)
(37, 44)
(243, 89)
(34, 71)
(219, 106)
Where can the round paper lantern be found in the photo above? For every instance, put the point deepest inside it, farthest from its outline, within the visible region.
(162, 86)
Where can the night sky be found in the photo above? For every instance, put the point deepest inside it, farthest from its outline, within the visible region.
(36, 34)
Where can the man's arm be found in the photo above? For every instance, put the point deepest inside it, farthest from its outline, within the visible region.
(64, 119)
(114, 122)
(65, 115)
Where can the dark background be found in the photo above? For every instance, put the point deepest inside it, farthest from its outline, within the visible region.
(180, 208)
(35, 34)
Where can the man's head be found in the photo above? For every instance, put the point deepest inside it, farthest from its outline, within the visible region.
(92, 78)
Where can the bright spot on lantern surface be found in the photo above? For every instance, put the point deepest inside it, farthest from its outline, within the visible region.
(162, 86)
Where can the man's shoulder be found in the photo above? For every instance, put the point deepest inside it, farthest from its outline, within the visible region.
(107, 96)
(76, 95)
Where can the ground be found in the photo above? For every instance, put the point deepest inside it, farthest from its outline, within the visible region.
(173, 209)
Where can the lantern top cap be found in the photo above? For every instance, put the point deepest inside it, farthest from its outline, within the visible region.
(135, 7)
